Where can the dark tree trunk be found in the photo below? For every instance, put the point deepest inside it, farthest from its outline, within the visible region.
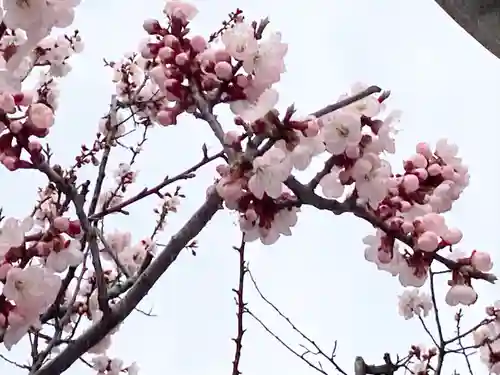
(480, 18)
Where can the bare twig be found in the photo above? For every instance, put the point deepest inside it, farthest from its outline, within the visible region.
(460, 343)
(187, 174)
(14, 363)
(329, 358)
(288, 347)
(241, 306)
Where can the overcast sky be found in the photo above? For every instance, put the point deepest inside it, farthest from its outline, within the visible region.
(445, 83)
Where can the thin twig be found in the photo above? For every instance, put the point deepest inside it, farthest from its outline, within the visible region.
(316, 346)
(241, 306)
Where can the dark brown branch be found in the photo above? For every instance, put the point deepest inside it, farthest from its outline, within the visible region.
(187, 174)
(347, 101)
(388, 368)
(442, 343)
(102, 297)
(14, 363)
(241, 306)
(308, 197)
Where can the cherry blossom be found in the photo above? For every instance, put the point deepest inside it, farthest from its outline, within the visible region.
(270, 170)
(369, 106)
(331, 185)
(240, 41)
(252, 111)
(340, 130)
(70, 256)
(180, 10)
(268, 62)
(412, 302)
(12, 233)
(33, 288)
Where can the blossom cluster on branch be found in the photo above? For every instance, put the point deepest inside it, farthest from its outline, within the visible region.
(59, 268)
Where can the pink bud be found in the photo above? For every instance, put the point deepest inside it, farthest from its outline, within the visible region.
(223, 70)
(481, 261)
(405, 207)
(165, 117)
(490, 310)
(424, 149)
(428, 241)
(461, 294)
(151, 26)
(74, 229)
(146, 52)
(16, 126)
(182, 59)
(312, 129)
(407, 227)
(157, 74)
(434, 169)
(411, 183)
(452, 236)
(34, 147)
(352, 151)
(170, 40)
(422, 173)
(251, 215)
(198, 43)
(10, 163)
(447, 172)
(241, 81)
(231, 137)
(419, 161)
(166, 53)
(61, 223)
(223, 169)
(384, 257)
(222, 55)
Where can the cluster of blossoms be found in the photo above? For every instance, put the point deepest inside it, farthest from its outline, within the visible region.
(107, 366)
(414, 302)
(176, 73)
(487, 339)
(423, 358)
(30, 258)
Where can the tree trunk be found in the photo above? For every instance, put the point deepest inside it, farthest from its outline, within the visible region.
(480, 18)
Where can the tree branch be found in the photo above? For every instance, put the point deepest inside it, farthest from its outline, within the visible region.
(142, 286)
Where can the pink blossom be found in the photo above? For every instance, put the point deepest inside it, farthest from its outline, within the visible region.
(461, 294)
(412, 302)
(482, 261)
(71, 256)
(33, 288)
(252, 111)
(41, 116)
(270, 170)
(240, 41)
(181, 10)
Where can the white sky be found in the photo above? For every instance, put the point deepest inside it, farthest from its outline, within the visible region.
(447, 86)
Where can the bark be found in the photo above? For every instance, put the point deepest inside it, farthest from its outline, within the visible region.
(480, 18)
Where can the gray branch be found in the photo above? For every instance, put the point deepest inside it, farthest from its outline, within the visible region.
(143, 285)
(480, 18)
